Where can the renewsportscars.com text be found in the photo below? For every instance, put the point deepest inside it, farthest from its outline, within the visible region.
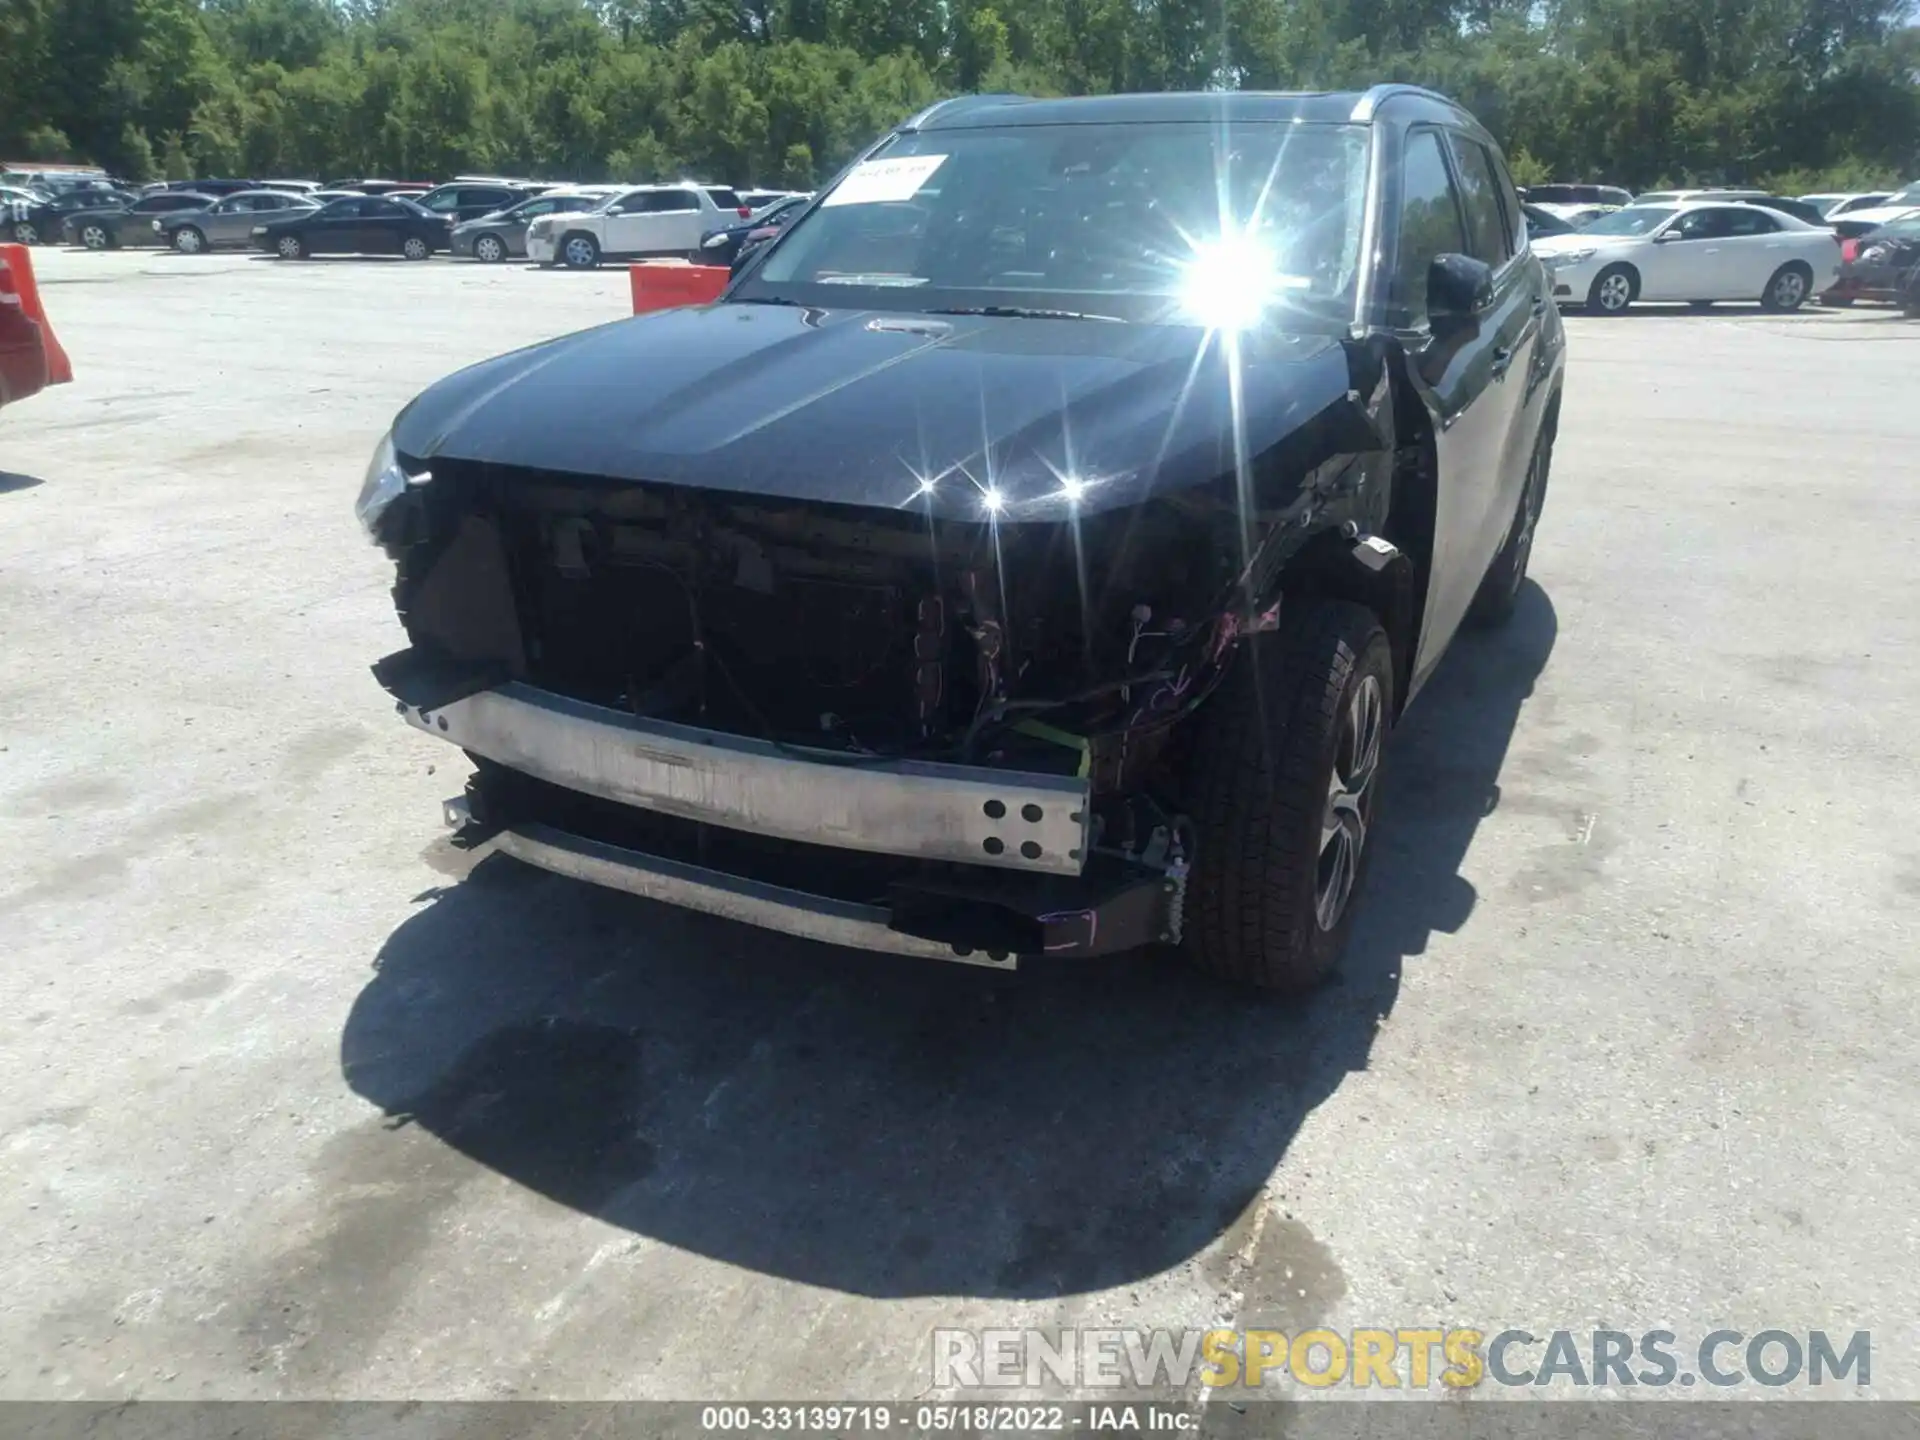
(1412, 1358)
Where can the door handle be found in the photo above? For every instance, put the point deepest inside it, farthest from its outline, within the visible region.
(1502, 358)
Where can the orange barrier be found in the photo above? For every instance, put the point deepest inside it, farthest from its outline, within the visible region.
(661, 285)
(20, 264)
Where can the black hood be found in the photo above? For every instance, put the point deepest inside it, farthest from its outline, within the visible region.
(857, 407)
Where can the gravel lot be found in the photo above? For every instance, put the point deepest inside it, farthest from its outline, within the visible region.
(293, 1106)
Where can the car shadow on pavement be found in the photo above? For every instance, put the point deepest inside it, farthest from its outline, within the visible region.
(890, 1127)
(10, 482)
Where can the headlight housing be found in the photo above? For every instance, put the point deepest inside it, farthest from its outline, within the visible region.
(714, 241)
(1569, 257)
(385, 483)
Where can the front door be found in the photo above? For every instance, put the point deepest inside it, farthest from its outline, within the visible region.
(1470, 378)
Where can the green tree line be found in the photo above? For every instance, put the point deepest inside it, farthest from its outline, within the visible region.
(1791, 93)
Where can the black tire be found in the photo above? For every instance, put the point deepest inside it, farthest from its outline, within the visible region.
(189, 240)
(1788, 289)
(95, 236)
(1607, 298)
(290, 247)
(416, 248)
(578, 250)
(489, 249)
(1259, 789)
(1499, 592)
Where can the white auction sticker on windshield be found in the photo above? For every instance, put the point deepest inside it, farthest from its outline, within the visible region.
(874, 182)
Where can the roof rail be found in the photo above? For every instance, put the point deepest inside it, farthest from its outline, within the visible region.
(1368, 105)
(956, 105)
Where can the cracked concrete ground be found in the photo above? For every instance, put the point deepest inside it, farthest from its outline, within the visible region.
(293, 1106)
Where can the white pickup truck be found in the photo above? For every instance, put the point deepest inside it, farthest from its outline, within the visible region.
(646, 220)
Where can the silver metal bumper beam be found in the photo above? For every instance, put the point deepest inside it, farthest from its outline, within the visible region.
(693, 887)
(970, 814)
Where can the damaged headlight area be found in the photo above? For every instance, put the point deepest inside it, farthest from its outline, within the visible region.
(386, 481)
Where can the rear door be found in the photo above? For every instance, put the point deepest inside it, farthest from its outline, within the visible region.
(383, 225)
(1756, 244)
(675, 221)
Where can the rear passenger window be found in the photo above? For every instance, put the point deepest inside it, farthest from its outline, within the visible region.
(1488, 237)
(1429, 224)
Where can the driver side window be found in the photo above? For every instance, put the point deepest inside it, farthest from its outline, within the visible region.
(1698, 225)
(1430, 224)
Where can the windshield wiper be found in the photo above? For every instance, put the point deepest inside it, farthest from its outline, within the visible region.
(764, 300)
(1022, 312)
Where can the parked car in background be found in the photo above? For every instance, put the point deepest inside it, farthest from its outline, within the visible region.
(129, 225)
(645, 220)
(1883, 264)
(1578, 215)
(1694, 251)
(798, 620)
(733, 244)
(1892, 208)
(229, 222)
(58, 179)
(292, 187)
(215, 188)
(357, 225)
(503, 234)
(39, 222)
(1833, 204)
(1542, 222)
(462, 201)
(757, 200)
(1675, 197)
(1576, 195)
(1799, 209)
(20, 194)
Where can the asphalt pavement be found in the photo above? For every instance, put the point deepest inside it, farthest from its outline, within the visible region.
(291, 1104)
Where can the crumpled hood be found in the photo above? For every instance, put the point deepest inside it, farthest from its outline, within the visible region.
(861, 407)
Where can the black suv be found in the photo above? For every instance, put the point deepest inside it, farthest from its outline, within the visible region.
(464, 200)
(39, 223)
(1029, 554)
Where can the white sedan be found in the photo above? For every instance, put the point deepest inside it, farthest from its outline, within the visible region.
(1696, 251)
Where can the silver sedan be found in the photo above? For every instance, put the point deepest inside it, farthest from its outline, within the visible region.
(227, 222)
(495, 237)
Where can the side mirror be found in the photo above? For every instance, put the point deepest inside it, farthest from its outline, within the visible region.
(1459, 291)
(1665, 236)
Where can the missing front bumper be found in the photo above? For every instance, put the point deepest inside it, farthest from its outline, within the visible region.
(972, 815)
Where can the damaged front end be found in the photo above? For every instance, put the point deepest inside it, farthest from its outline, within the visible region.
(894, 729)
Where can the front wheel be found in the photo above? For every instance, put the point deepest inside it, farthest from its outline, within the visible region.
(25, 232)
(95, 237)
(580, 252)
(1612, 291)
(1788, 289)
(414, 248)
(1283, 787)
(290, 247)
(189, 241)
(490, 248)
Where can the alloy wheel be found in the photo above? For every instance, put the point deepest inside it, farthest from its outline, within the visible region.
(414, 249)
(1615, 292)
(1789, 290)
(289, 247)
(187, 241)
(25, 234)
(489, 249)
(93, 237)
(1349, 807)
(580, 252)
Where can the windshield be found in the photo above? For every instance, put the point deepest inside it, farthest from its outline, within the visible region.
(1166, 223)
(1908, 196)
(1634, 220)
